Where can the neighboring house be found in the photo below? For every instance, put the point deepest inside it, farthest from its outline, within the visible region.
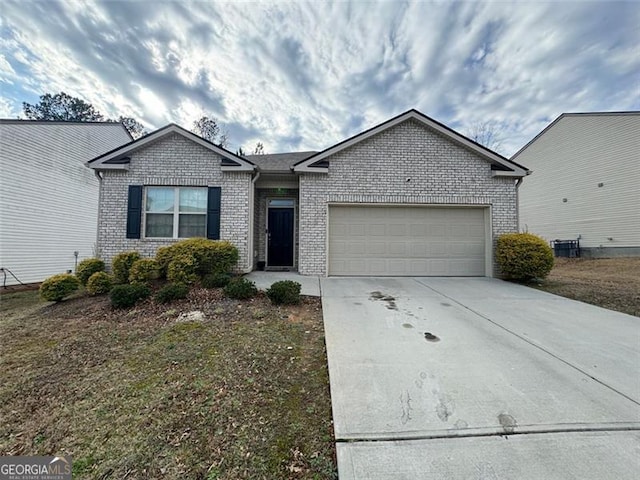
(407, 197)
(585, 183)
(48, 198)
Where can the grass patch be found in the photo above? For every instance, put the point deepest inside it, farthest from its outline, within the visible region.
(135, 394)
(612, 283)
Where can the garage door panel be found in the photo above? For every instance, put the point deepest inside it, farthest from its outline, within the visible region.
(401, 241)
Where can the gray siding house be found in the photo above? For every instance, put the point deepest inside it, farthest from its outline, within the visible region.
(48, 198)
(407, 197)
(585, 183)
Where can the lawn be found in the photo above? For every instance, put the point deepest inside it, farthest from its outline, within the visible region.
(242, 394)
(612, 283)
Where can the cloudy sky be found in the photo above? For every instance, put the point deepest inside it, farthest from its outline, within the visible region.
(300, 76)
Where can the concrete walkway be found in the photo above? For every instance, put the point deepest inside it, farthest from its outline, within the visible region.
(479, 378)
(310, 285)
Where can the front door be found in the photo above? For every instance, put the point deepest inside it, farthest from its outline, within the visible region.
(280, 237)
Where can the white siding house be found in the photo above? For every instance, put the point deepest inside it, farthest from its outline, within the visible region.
(585, 182)
(48, 197)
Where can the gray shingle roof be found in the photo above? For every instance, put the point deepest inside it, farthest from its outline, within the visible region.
(278, 162)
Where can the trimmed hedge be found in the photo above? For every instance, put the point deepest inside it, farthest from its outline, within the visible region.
(127, 295)
(121, 265)
(524, 256)
(88, 267)
(284, 292)
(144, 271)
(211, 256)
(56, 287)
(182, 269)
(171, 292)
(99, 283)
(240, 288)
(216, 280)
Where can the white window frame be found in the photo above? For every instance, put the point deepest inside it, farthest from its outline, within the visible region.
(176, 212)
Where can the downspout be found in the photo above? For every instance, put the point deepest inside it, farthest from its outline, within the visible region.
(518, 182)
(250, 245)
(99, 177)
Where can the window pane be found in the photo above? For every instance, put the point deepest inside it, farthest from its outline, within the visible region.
(191, 226)
(159, 225)
(281, 202)
(159, 199)
(193, 200)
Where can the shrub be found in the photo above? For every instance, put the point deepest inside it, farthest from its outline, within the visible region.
(172, 291)
(211, 256)
(88, 267)
(99, 283)
(143, 271)
(56, 287)
(182, 269)
(240, 288)
(216, 280)
(284, 292)
(523, 256)
(127, 295)
(121, 264)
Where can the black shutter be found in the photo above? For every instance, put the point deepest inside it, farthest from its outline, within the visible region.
(134, 211)
(213, 213)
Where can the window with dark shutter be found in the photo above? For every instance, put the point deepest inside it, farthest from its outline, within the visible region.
(213, 213)
(134, 211)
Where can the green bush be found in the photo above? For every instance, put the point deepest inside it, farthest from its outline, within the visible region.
(127, 295)
(88, 267)
(121, 264)
(211, 256)
(172, 291)
(143, 271)
(182, 269)
(523, 256)
(216, 280)
(56, 287)
(240, 288)
(99, 283)
(284, 292)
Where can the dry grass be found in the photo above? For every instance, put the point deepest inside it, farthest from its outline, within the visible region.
(135, 394)
(612, 283)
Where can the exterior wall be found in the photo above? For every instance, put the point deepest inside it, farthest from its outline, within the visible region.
(48, 198)
(376, 171)
(261, 219)
(569, 161)
(173, 161)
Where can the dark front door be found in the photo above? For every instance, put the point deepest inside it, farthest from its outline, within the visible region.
(280, 237)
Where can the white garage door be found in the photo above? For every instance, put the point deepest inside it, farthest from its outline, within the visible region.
(406, 241)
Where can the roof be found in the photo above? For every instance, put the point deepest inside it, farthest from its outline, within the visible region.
(278, 162)
(118, 158)
(503, 166)
(574, 114)
(20, 121)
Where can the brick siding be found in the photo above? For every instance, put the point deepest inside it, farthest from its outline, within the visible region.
(376, 171)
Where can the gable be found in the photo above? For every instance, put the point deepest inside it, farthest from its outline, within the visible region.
(319, 163)
(119, 158)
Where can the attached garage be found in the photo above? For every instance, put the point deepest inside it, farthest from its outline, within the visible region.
(408, 240)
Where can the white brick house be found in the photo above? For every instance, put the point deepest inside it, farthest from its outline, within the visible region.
(407, 197)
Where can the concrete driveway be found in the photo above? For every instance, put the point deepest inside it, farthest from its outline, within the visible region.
(479, 378)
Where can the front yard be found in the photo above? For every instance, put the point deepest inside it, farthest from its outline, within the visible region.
(612, 283)
(242, 393)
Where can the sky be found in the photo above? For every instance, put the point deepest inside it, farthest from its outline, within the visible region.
(304, 76)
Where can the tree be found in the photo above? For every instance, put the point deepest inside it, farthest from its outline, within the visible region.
(240, 152)
(209, 129)
(487, 134)
(259, 150)
(134, 127)
(61, 107)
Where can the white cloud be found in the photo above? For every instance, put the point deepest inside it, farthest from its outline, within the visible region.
(304, 76)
